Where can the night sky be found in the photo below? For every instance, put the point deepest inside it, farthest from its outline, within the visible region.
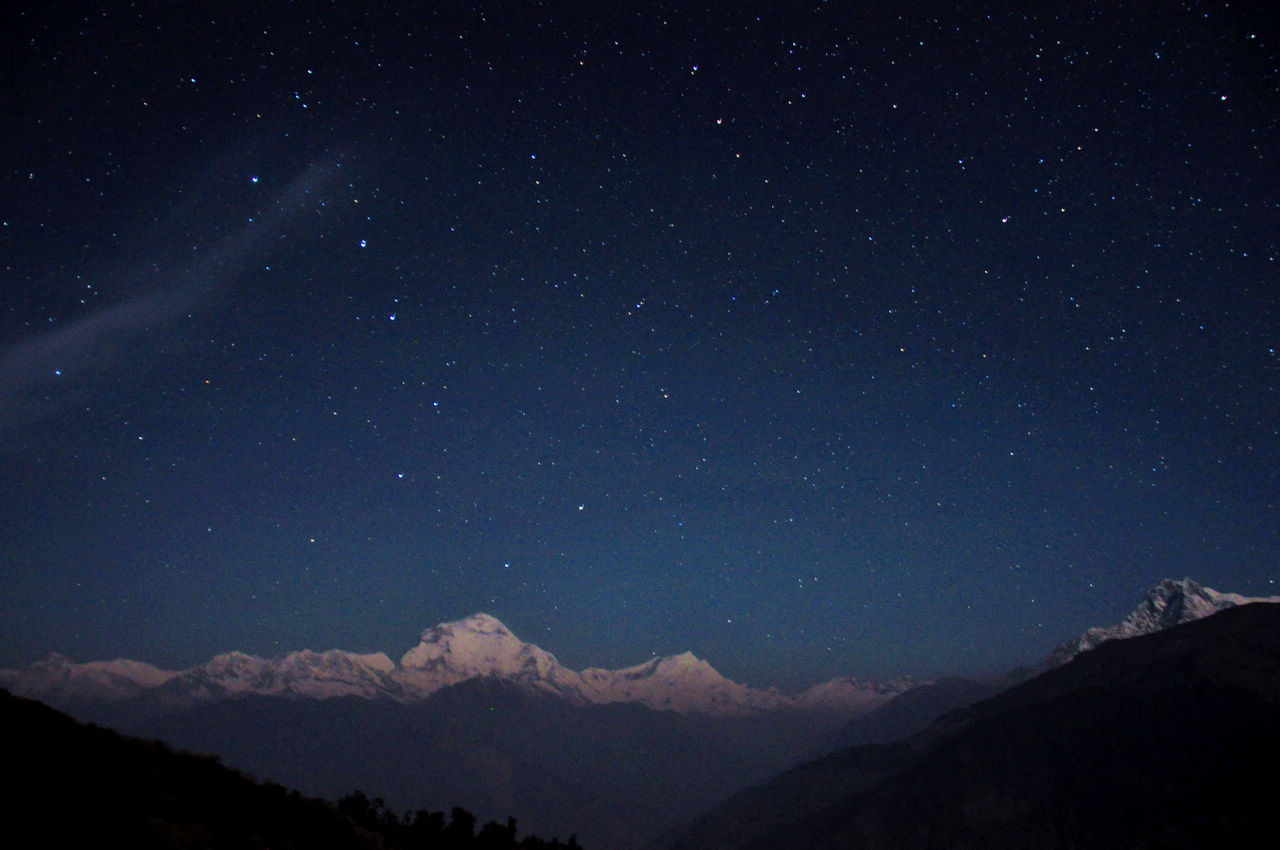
(818, 339)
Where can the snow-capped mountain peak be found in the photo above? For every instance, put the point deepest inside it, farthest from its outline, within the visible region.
(683, 683)
(480, 645)
(477, 646)
(1169, 603)
(685, 666)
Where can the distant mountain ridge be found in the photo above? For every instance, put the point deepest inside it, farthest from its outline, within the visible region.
(476, 647)
(501, 727)
(1170, 603)
(481, 646)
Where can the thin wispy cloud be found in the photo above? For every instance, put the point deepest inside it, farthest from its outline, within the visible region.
(44, 374)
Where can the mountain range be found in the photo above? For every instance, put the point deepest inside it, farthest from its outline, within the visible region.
(477, 647)
(480, 646)
(473, 716)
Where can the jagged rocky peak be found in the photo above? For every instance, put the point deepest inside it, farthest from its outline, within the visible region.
(1168, 604)
(477, 628)
(1175, 600)
(479, 623)
(480, 638)
(1180, 601)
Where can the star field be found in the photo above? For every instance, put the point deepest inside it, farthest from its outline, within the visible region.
(817, 339)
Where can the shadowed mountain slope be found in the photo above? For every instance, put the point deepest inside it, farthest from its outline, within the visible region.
(911, 711)
(77, 785)
(1165, 740)
(616, 775)
(83, 786)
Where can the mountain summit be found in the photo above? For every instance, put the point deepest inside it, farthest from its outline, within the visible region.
(481, 646)
(1170, 603)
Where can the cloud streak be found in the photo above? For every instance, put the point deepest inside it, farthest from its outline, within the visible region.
(44, 374)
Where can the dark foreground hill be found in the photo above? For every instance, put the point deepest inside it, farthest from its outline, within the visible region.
(615, 775)
(72, 785)
(1171, 740)
(77, 785)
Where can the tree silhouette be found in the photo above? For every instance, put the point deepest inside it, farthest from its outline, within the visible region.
(496, 836)
(461, 831)
(426, 830)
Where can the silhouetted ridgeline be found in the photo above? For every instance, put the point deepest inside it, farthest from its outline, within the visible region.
(81, 785)
(1168, 740)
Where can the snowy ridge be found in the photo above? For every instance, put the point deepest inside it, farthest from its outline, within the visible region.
(682, 683)
(304, 674)
(479, 646)
(1168, 604)
(846, 692)
(58, 677)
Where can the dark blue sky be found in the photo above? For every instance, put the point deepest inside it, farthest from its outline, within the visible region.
(817, 339)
